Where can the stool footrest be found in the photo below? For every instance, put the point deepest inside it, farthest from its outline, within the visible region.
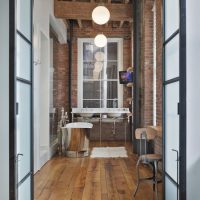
(146, 178)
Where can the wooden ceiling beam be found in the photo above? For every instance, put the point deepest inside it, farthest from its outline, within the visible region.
(83, 10)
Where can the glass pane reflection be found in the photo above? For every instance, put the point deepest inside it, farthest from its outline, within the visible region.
(24, 17)
(88, 52)
(91, 90)
(112, 51)
(112, 103)
(91, 104)
(88, 68)
(112, 92)
(112, 70)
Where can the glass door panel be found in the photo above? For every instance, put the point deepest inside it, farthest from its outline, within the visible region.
(171, 189)
(171, 128)
(172, 59)
(24, 191)
(23, 129)
(23, 54)
(24, 17)
(23, 59)
(171, 17)
(171, 98)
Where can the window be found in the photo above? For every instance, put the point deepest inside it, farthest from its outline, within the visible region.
(98, 73)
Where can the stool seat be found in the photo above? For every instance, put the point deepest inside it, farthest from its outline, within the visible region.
(150, 157)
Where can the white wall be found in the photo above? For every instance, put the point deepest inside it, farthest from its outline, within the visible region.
(42, 18)
(193, 99)
(4, 99)
(44, 15)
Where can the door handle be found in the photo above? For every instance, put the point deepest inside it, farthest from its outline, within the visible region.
(17, 108)
(18, 155)
(17, 171)
(177, 155)
(177, 160)
(178, 108)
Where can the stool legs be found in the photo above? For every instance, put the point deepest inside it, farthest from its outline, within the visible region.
(154, 178)
(138, 177)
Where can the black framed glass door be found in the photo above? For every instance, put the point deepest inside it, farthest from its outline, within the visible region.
(24, 170)
(21, 131)
(174, 95)
(171, 84)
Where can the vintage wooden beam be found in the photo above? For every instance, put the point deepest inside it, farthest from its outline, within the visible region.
(83, 10)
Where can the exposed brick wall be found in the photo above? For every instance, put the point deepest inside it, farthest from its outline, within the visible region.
(91, 32)
(147, 62)
(159, 61)
(60, 79)
(147, 66)
(159, 21)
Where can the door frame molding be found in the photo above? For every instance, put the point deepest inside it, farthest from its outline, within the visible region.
(183, 107)
(12, 100)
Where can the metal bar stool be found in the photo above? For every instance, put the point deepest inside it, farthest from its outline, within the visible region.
(145, 134)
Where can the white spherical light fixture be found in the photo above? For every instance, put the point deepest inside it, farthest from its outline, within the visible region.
(100, 15)
(100, 40)
(99, 56)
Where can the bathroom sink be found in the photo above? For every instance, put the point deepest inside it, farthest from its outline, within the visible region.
(86, 114)
(79, 125)
(114, 115)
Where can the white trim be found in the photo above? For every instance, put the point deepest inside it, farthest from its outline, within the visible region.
(80, 68)
(80, 72)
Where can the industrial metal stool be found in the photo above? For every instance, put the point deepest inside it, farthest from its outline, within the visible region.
(149, 159)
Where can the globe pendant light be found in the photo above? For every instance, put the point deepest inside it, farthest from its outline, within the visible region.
(100, 40)
(100, 15)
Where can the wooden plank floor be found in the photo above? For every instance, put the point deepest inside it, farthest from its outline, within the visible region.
(87, 178)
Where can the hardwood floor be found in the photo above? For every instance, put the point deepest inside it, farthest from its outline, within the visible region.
(65, 178)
